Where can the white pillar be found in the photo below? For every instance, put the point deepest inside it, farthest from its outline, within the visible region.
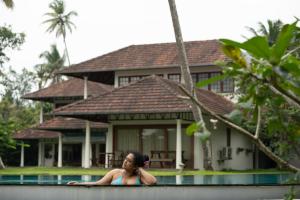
(22, 155)
(109, 143)
(41, 114)
(82, 154)
(91, 154)
(178, 145)
(85, 89)
(41, 154)
(87, 144)
(59, 162)
(197, 153)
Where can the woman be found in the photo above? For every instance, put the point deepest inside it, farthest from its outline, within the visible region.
(132, 173)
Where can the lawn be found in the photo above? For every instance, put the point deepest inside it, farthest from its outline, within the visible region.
(98, 171)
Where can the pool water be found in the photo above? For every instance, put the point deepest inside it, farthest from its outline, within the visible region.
(237, 179)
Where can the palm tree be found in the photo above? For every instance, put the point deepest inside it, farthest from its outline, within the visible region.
(9, 3)
(47, 71)
(271, 31)
(60, 22)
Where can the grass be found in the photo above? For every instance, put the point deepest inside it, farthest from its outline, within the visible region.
(98, 171)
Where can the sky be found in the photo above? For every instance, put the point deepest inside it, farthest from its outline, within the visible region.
(103, 26)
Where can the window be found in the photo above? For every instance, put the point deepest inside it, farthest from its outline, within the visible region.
(202, 77)
(225, 86)
(228, 85)
(216, 86)
(125, 80)
(174, 77)
(228, 133)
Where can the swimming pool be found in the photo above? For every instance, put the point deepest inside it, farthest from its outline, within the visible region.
(236, 179)
(224, 187)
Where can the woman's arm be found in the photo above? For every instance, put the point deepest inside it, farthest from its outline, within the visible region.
(146, 177)
(106, 180)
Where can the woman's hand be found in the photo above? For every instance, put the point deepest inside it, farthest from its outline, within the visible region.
(72, 183)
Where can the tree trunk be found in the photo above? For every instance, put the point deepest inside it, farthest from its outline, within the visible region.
(66, 49)
(188, 82)
(2, 166)
(260, 145)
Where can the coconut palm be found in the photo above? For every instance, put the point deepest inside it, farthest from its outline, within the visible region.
(60, 22)
(9, 3)
(271, 31)
(53, 62)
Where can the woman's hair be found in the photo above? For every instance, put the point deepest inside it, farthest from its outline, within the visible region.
(139, 159)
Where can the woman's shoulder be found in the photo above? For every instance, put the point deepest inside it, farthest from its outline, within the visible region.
(116, 171)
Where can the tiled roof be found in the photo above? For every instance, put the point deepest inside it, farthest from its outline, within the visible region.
(35, 134)
(71, 88)
(66, 123)
(150, 56)
(149, 95)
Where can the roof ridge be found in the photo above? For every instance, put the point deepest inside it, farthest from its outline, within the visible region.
(167, 85)
(97, 57)
(161, 43)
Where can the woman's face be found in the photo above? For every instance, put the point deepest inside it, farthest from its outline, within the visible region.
(128, 163)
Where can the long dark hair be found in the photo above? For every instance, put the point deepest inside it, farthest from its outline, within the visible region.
(138, 159)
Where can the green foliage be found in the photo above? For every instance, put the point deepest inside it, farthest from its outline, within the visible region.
(199, 130)
(211, 80)
(53, 62)
(59, 21)
(14, 84)
(14, 113)
(9, 40)
(9, 3)
(267, 71)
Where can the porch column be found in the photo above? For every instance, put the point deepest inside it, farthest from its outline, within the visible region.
(85, 89)
(91, 155)
(41, 114)
(82, 154)
(197, 153)
(59, 162)
(87, 144)
(178, 145)
(41, 154)
(109, 144)
(22, 155)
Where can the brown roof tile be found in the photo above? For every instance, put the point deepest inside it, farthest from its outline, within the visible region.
(149, 95)
(71, 88)
(150, 56)
(66, 123)
(35, 134)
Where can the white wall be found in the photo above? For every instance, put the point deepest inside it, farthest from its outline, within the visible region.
(239, 161)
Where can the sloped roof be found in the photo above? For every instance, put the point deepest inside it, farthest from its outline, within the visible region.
(71, 88)
(148, 56)
(35, 134)
(152, 94)
(67, 123)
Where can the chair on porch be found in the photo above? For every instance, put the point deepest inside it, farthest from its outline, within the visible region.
(115, 159)
(163, 158)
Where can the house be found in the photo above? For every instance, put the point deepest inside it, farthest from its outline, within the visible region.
(145, 111)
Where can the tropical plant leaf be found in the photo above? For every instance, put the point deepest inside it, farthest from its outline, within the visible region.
(211, 80)
(235, 116)
(194, 127)
(256, 46)
(282, 42)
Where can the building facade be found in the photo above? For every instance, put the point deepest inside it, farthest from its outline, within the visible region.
(145, 111)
